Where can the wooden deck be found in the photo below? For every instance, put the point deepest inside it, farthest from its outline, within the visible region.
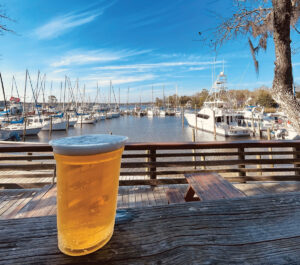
(21, 203)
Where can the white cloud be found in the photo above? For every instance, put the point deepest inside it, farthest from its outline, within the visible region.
(117, 79)
(88, 57)
(156, 65)
(197, 68)
(59, 25)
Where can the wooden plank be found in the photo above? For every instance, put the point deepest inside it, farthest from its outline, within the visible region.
(209, 163)
(212, 187)
(12, 211)
(126, 156)
(151, 181)
(24, 185)
(31, 166)
(32, 174)
(174, 196)
(26, 210)
(27, 157)
(242, 231)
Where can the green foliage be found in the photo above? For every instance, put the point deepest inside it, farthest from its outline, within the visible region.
(264, 99)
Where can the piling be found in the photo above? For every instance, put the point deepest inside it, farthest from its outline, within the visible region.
(24, 130)
(80, 121)
(196, 125)
(50, 129)
(182, 116)
(68, 124)
(194, 140)
(259, 129)
(252, 124)
(270, 148)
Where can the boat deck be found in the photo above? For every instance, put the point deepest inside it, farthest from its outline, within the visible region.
(21, 203)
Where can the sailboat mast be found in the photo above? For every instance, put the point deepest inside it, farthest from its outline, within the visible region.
(64, 94)
(4, 95)
(25, 87)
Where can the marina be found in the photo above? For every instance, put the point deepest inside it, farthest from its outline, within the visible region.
(149, 132)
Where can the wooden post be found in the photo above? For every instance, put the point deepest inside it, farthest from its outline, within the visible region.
(80, 121)
(259, 129)
(196, 125)
(24, 129)
(29, 154)
(241, 156)
(296, 156)
(194, 140)
(253, 127)
(203, 159)
(258, 157)
(182, 116)
(67, 125)
(153, 160)
(50, 129)
(270, 148)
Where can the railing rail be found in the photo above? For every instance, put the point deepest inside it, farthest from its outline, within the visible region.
(165, 163)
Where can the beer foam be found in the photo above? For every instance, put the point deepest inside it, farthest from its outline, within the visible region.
(88, 144)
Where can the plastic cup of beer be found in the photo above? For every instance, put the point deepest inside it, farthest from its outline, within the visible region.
(87, 169)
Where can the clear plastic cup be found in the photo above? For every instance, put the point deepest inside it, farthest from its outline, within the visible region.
(88, 169)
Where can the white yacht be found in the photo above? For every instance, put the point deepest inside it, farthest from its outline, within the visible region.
(216, 116)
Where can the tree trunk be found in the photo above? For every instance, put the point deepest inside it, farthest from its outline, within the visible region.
(282, 89)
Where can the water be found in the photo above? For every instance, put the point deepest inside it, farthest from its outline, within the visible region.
(137, 129)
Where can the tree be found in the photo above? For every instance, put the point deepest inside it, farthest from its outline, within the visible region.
(261, 20)
(265, 99)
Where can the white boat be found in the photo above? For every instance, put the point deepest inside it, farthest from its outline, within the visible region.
(115, 114)
(108, 115)
(162, 113)
(86, 119)
(58, 124)
(150, 113)
(216, 116)
(30, 129)
(72, 121)
(102, 116)
(178, 113)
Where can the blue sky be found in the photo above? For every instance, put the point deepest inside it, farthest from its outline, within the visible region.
(134, 43)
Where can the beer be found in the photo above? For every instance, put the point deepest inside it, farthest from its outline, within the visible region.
(88, 170)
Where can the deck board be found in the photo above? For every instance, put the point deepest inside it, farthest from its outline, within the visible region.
(23, 203)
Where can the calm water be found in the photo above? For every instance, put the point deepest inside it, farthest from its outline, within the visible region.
(138, 129)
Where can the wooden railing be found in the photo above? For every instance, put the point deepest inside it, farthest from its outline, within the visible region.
(165, 163)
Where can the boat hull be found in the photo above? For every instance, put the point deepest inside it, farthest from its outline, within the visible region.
(197, 123)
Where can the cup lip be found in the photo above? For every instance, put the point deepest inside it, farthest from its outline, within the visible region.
(62, 145)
